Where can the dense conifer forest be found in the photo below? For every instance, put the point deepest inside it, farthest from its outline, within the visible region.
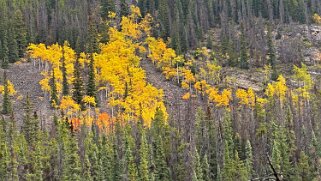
(160, 90)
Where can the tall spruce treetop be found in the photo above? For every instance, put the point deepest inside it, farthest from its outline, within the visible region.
(21, 32)
(124, 8)
(91, 85)
(78, 85)
(54, 92)
(271, 49)
(65, 87)
(4, 51)
(244, 59)
(106, 7)
(30, 124)
(92, 45)
(6, 104)
(13, 55)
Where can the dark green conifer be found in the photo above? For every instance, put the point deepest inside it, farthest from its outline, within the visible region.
(72, 166)
(124, 9)
(4, 51)
(143, 167)
(107, 159)
(54, 93)
(21, 33)
(205, 168)
(198, 166)
(86, 169)
(244, 59)
(13, 54)
(4, 152)
(303, 168)
(6, 104)
(92, 44)
(91, 85)
(65, 87)
(30, 123)
(130, 165)
(107, 6)
(78, 85)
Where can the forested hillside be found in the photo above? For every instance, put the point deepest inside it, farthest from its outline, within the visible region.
(185, 21)
(184, 90)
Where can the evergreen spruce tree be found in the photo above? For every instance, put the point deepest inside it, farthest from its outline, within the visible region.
(96, 168)
(161, 170)
(4, 51)
(6, 104)
(36, 160)
(131, 168)
(21, 33)
(276, 156)
(248, 158)
(143, 167)
(107, 6)
(281, 153)
(30, 123)
(200, 129)
(244, 59)
(181, 167)
(212, 150)
(3, 35)
(160, 136)
(12, 147)
(92, 45)
(13, 54)
(124, 9)
(238, 145)
(158, 131)
(86, 169)
(78, 85)
(233, 167)
(271, 49)
(205, 168)
(54, 93)
(72, 167)
(4, 152)
(303, 168)
(117, 165)
(118, 146)
(198, 166)
(65, 87)
(271, 53)
(91, 86)
(107, 159)
(164, 18)
(142, 6)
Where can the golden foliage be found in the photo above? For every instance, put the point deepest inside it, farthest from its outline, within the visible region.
(278, 89)
(11, 89)
(89, 100)
(159, 53)
(169, 72)
(246, 97)
(186, 96)
(201, 86)
(302, 75)
(220, 99)
(54, 55)
(118, 65)
(316, 18)
(68, 105)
